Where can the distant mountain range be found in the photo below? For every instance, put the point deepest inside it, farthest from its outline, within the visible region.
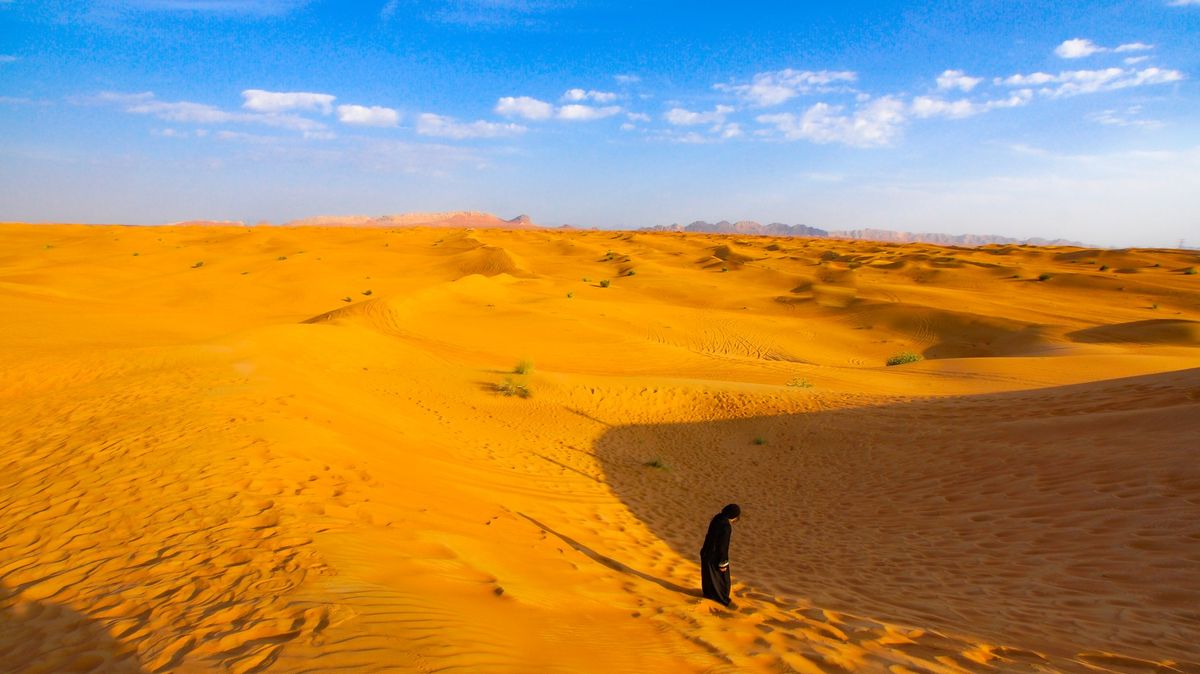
(444, 219)
(781, 229)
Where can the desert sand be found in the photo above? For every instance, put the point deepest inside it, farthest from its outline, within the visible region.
(283, 449)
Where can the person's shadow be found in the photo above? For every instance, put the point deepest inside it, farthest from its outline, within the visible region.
(614, 564)
(40, 636)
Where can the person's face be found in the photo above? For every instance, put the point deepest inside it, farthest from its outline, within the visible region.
(734, 520)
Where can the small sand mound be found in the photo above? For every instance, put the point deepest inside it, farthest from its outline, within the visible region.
(487, 260)
(1155, 331)
(950, 334)
(729, 254)
(378, 314)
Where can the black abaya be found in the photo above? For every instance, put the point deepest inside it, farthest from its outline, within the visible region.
(714, 560)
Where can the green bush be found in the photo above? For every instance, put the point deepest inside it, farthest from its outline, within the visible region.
(797, 382)
(604, 283)
(512, 388)
(1044, 277)
(760, 440)
(525, 366)
(656, 462)
(1190, 271)
(198, 265)
(1103, 267)
(366, 292)
(905, 357)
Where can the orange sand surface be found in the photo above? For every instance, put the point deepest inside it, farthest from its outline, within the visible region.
(294, 457)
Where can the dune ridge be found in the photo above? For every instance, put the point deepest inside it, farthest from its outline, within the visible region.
(284, 449)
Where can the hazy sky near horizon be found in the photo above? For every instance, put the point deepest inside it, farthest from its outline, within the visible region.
(1075, 120)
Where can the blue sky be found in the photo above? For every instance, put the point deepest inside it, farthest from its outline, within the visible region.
(1076, 120)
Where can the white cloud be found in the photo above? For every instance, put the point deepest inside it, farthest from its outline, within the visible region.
(732, 130)
(957, 79)
(145, 103)
(1183, 3)
(682, 117)
(1077, 48)
(586, 113)
(367, 115)
(279, 101)
(627, 79)
(1128, 117)
(578, 95)
(8, 58)
(1134, 60)
(928, 106)
(871, 125)
(524, 106)
(429, 124)
(1032, 79)
(637, 117)
(1075, 82)
(778, 86)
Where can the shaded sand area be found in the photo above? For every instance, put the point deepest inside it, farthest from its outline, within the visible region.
(283, 449)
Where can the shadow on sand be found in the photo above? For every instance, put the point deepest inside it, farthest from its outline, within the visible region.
(1015, 516)
(41, 636)
(614, 564)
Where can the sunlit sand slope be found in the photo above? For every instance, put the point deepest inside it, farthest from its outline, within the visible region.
(284, 449)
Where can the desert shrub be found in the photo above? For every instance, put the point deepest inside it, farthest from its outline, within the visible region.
(366, 292)
(1190, 271)
(656, 462)
(1044, 277)
(1103, 267)
(587, 280)
(508, 387)
(724, 269)
(198, 264)
(570, 295)
(605, 283)
(525, 366)
(281, 258)
(1154, 306)
(760, 440)
(347, 299)
(630, 273)
(798, 382)
(905, 357)
(136, 254)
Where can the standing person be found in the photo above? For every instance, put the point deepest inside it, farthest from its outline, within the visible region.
(714, 555)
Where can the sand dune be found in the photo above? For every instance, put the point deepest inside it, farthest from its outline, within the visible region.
(283, 449)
